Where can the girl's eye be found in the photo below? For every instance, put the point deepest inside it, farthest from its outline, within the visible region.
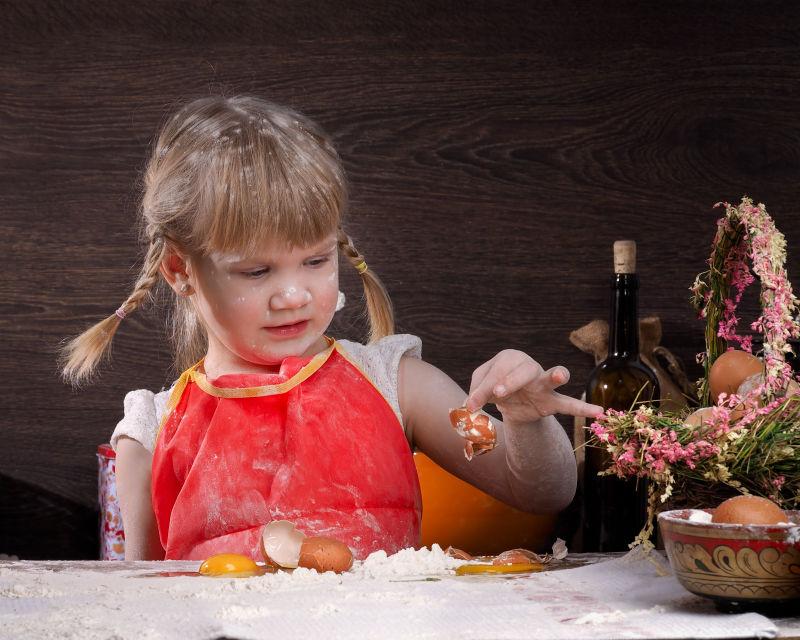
(256, 274)
(316, 262)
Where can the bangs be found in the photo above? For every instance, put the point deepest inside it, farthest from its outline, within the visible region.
(260, 181)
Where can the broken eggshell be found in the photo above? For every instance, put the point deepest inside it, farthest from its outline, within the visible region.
(757, 382)
(476, 428)
(284, 546)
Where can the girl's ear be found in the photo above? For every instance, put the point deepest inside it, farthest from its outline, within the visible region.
(174, 268)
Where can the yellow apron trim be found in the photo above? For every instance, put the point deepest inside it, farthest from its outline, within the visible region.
(193, 374)
(267, 390)
(175, 395)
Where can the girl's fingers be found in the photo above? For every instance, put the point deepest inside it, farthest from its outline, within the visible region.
(574, 407)
(517, 378)
(482, 393)
(485, 390)
(479, 374)
(557, 376)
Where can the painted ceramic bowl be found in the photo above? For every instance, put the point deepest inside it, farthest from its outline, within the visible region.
(737, 566)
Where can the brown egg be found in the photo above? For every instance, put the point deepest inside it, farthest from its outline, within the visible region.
(748, 510)
(699, 417)
(325, 554)
(729, 371)
(284, 546)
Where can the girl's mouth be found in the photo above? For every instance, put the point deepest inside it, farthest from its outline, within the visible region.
(288, 330)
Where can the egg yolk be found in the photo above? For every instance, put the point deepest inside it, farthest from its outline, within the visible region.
(231, 565)
(472, 569)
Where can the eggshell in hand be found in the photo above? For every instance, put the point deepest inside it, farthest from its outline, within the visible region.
(748, 510)
(729, 370)
(476, 428)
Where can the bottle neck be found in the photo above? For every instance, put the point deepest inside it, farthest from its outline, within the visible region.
(623, 332)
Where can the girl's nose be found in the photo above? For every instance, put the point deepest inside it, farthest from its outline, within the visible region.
(290, 298)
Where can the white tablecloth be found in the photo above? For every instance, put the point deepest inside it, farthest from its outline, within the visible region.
(620, 598)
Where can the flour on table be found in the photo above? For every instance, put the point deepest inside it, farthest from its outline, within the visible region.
(615, 616)
(410, 595)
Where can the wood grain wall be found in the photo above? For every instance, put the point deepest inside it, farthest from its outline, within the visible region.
(495, 152)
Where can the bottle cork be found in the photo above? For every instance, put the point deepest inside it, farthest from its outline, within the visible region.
(625, 256)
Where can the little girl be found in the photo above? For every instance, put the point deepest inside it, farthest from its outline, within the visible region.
(272, 419)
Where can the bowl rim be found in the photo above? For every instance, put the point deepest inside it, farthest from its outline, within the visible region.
(681, 516)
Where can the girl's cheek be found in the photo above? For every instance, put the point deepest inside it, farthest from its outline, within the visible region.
(329, 294)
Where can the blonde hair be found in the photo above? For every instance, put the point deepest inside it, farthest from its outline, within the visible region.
(224, 174)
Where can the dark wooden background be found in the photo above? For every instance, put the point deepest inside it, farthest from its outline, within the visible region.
(495, 151)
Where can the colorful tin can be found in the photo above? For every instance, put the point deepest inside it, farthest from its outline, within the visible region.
(112, 535)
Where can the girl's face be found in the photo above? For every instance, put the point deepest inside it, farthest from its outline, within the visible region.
(259, 310)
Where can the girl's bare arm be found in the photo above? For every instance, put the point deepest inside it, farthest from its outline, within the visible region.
(533, 467)
(133, 489)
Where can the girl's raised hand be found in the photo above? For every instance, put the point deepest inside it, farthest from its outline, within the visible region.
(522, 390)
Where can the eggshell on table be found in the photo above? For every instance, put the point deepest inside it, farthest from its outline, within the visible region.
(748, 510)
(283, 545)
(729, 370)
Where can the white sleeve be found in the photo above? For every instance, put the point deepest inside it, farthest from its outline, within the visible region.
(380, 361)
(143, 413)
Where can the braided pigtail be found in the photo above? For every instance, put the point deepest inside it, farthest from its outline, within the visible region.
(379, 306)
(82, 354)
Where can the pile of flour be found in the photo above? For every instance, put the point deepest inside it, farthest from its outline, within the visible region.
(408, 562)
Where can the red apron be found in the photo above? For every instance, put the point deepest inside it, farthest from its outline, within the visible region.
(316, 444)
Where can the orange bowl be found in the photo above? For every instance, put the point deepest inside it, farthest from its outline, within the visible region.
(456, 513)
(738, 566)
